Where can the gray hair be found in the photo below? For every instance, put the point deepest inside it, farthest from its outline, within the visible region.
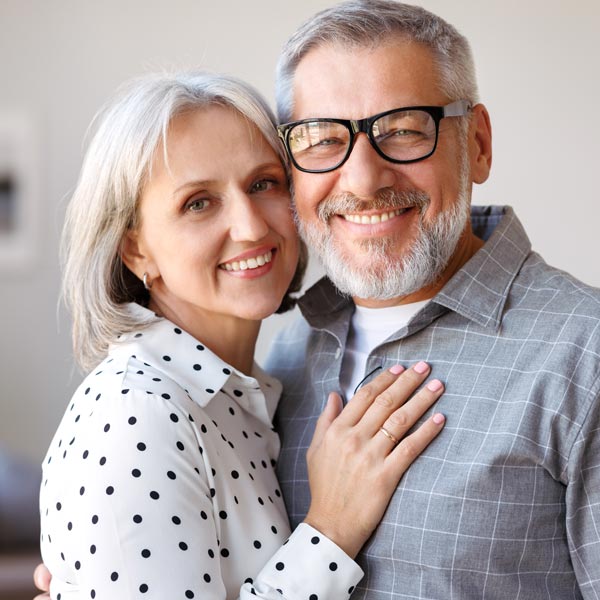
(369, 23)
(96, 284)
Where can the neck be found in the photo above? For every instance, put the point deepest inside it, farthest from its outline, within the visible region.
(467, 246)
(232, 339)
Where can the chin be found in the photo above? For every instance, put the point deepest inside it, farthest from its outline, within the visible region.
(259, 311)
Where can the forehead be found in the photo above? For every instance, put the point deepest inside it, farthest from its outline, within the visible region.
(353, 83)
(213, 143)
(198, 135)
(201, 126)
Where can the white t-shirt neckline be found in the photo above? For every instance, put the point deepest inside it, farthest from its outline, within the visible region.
(369, 327)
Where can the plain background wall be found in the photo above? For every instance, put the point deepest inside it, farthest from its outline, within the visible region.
(538, 65)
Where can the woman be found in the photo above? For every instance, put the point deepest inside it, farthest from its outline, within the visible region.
(160, 481)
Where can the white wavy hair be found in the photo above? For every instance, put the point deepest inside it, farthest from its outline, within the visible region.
(96, 285)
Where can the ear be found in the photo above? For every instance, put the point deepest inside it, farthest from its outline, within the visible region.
(132, 254)
(480, 144)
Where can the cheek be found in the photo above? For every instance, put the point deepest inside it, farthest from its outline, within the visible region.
(282, 222)
(309, 190)
(279, 216)
(183, 250)
(294, 251)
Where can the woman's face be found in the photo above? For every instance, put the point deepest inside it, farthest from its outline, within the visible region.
(216, 234)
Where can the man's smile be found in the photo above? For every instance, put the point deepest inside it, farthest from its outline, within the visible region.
(373, 219)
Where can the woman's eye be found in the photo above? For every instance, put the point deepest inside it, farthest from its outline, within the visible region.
(262, 185)
(197, 205)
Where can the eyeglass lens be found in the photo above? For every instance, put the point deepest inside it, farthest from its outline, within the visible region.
(401, 135)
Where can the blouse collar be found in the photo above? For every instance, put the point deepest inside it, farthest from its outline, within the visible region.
(201, 373)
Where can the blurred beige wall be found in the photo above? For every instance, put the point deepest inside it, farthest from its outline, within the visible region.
(538, 63)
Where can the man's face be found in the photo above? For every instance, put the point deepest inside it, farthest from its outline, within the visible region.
(370, 216)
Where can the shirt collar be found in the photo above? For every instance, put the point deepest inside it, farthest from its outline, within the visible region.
(193, 366)
(478, 291)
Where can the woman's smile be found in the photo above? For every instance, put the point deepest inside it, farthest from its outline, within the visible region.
(216, 234)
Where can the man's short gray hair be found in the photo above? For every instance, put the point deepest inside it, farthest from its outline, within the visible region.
(370, 23)
(96, 284)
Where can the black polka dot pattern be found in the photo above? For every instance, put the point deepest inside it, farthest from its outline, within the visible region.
(169, 450)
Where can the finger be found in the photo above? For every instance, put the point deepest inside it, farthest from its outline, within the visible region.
(42, 597)
(411, 447)
(401, 420)
(41, 577)
(393, 397)
(362, 400)
(330, 412)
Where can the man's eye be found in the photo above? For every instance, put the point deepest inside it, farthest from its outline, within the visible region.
(324, 145)
(404, 133)
(329, 142)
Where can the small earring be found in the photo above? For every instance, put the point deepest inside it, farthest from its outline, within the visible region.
(147, 284)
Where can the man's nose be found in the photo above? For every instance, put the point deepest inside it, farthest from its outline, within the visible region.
(247, 221)
(365, 172)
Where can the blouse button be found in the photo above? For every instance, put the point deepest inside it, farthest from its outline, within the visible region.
(338, 352)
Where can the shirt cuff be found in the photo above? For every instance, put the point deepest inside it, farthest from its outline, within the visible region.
(309, 566)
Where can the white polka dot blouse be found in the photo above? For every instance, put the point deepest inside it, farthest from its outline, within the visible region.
(160, 483)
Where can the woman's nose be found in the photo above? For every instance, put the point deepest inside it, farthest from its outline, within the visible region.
(247, 221)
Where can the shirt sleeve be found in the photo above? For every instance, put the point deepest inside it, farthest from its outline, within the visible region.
(308, 566)
(142, 520)
(583, 502)
(137, 519)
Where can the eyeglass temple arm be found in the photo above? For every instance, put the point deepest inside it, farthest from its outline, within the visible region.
(459, 108)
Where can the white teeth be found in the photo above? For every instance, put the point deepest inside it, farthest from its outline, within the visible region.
(249, 263)
(373, 219)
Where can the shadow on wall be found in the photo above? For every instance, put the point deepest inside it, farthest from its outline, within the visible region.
(19, 526)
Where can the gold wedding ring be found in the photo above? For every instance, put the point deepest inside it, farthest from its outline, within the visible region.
(389, 435)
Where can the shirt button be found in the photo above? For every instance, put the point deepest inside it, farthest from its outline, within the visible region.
(338, 352)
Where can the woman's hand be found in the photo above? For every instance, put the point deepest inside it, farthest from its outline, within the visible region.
(358, 454)
(41, 578)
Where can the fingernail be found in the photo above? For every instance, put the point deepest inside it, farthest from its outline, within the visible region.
(434, 385)
(397, 369)
(438, 418)
(421, 367)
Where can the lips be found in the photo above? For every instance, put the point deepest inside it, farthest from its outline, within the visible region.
(248, 264)
(375, 218)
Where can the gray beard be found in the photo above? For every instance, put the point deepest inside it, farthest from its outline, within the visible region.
(387, 276)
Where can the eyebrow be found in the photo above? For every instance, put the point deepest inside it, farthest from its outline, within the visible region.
(192, 184)
(198, 183)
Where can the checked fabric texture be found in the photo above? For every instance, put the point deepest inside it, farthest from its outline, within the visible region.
(505, 503)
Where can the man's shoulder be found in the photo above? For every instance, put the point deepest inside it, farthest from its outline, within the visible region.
(537, 279)
(288, 349)
(554, 307)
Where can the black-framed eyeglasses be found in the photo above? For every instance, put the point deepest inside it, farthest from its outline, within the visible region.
(401, 135)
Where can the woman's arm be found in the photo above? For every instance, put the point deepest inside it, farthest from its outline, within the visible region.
(354, 468)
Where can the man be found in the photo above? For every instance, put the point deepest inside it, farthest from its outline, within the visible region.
(506, 502)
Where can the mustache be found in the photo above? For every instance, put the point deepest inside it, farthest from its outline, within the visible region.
(386, 199)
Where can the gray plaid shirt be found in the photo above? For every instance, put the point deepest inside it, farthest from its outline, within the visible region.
(505, 503)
